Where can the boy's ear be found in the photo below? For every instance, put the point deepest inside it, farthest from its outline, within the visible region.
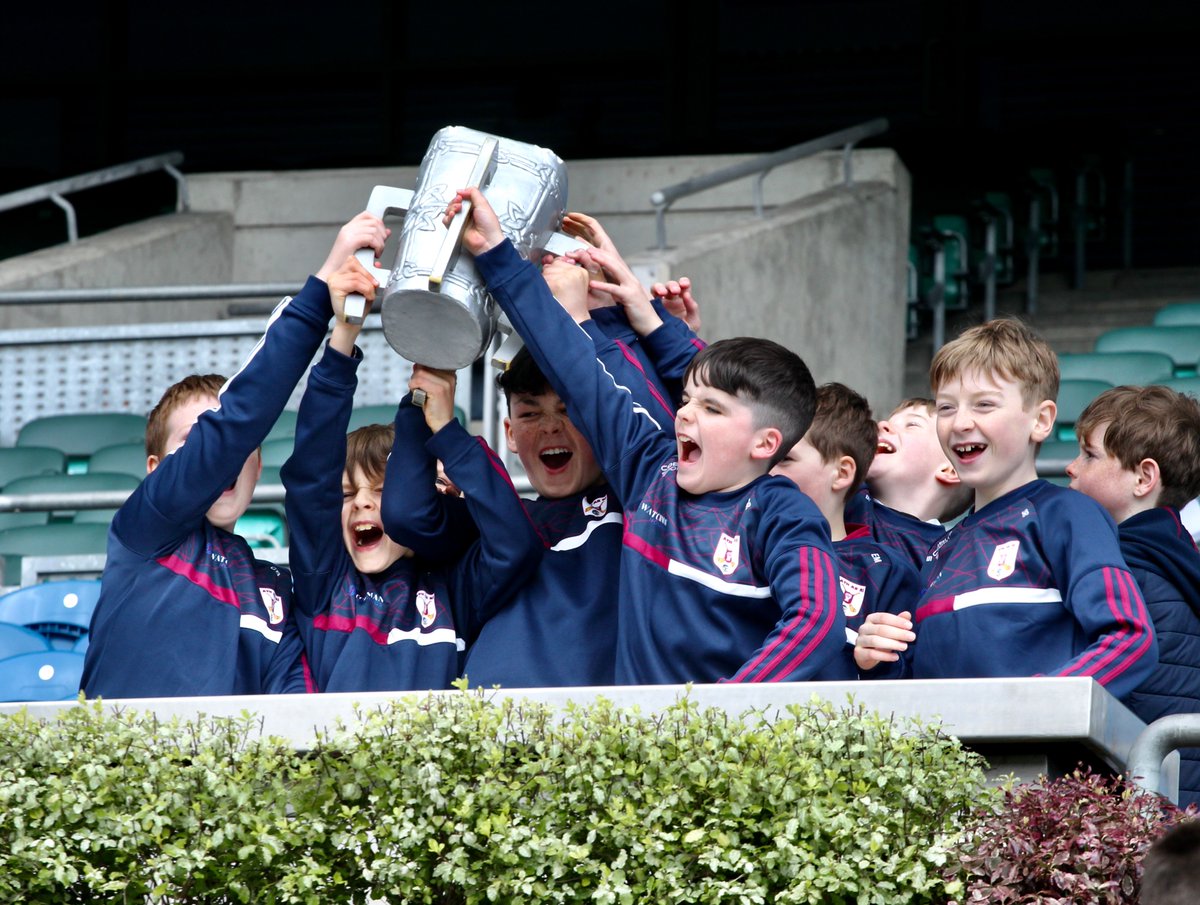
(1149, 479)
(152, 463)
(844, 476)
(508, 435)
(947, 476)
(1043, 424)
(767, 443)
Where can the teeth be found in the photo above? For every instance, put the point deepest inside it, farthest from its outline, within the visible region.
(555, 451)
(966, 448)
(363, 529)
(884, 447)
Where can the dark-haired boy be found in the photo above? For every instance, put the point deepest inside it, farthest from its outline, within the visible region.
(829, 464)
(1139, 458)
(726, 571)
(559, 628)
(185, 608)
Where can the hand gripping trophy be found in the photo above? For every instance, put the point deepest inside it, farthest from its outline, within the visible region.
(435, 310)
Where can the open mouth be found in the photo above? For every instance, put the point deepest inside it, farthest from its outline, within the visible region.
(367, 534)
(555, 458)
(968, 452)
(884, 446)
(689, 450)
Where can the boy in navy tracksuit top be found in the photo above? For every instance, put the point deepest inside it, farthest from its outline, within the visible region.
(1140, 459)
(559, 627)
(1032, 581)
(911, 487)
(185, 608)
(726, 572)
(828, 464)
(372, 616)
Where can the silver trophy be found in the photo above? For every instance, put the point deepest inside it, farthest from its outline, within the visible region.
(435, 310)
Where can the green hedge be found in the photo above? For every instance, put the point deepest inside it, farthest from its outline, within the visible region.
(459, 798)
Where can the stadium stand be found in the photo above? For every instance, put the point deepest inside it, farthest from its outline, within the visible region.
(16, 639)
(23, 461)
(58, 611)
(1180, 343)
(1073, 398)
(1117, 368)
(51, 675)
(1178, 313)
(79, 435)
(63, 539)
(88, 482)
(121, 458)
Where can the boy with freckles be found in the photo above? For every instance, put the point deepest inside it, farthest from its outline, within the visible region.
(726, 572)
(1032, 581)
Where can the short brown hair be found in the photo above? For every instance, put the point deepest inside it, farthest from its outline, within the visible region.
(915, 402)
(1003, 346)
(1153, 422)
(368, 448)
(194, 386)
(844, 426)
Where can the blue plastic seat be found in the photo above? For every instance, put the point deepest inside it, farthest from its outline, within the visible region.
(1117, 368)
(52, 675)
(60, 611)
(276, 452)
(16, 639)
(1188, 385)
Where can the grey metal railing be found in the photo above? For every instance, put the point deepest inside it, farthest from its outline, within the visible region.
(101, 499)
(846, 139)
(147, 293)
(54, 191)
(1156, 741)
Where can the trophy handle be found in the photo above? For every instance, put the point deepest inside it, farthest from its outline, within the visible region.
(384, 200)
(481, 175)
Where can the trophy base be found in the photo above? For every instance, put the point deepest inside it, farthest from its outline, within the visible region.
(435, 330)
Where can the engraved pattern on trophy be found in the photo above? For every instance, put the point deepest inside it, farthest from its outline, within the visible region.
(446, 319)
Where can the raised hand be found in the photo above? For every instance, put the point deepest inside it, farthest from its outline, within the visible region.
(482, 232)
(363, 231)
(350, 277)
(677, 298)
(438, 386)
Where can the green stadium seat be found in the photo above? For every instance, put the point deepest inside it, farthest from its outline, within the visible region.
(80, 435)
(276, 452)
(22, 461)
(1117, 368)
(284, 426)
(120, 458)
(1073, 398)
(263, 528)
(371, 414)
(1178, 313)
(15, 519)
(52, 675)
(1181, 343)
(59, 611)
(55, 539)
(1188, 385)
(90, 482)
(1054, 456)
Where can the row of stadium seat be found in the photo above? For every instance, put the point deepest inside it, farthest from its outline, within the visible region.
(43, 636)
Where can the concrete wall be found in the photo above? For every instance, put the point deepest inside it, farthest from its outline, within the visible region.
(823, 272)
(177, 249)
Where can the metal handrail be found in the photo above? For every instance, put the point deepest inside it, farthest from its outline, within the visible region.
(102, 499)
(846, 139)
(1157, 740)
(54, 191)
(147, 293)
